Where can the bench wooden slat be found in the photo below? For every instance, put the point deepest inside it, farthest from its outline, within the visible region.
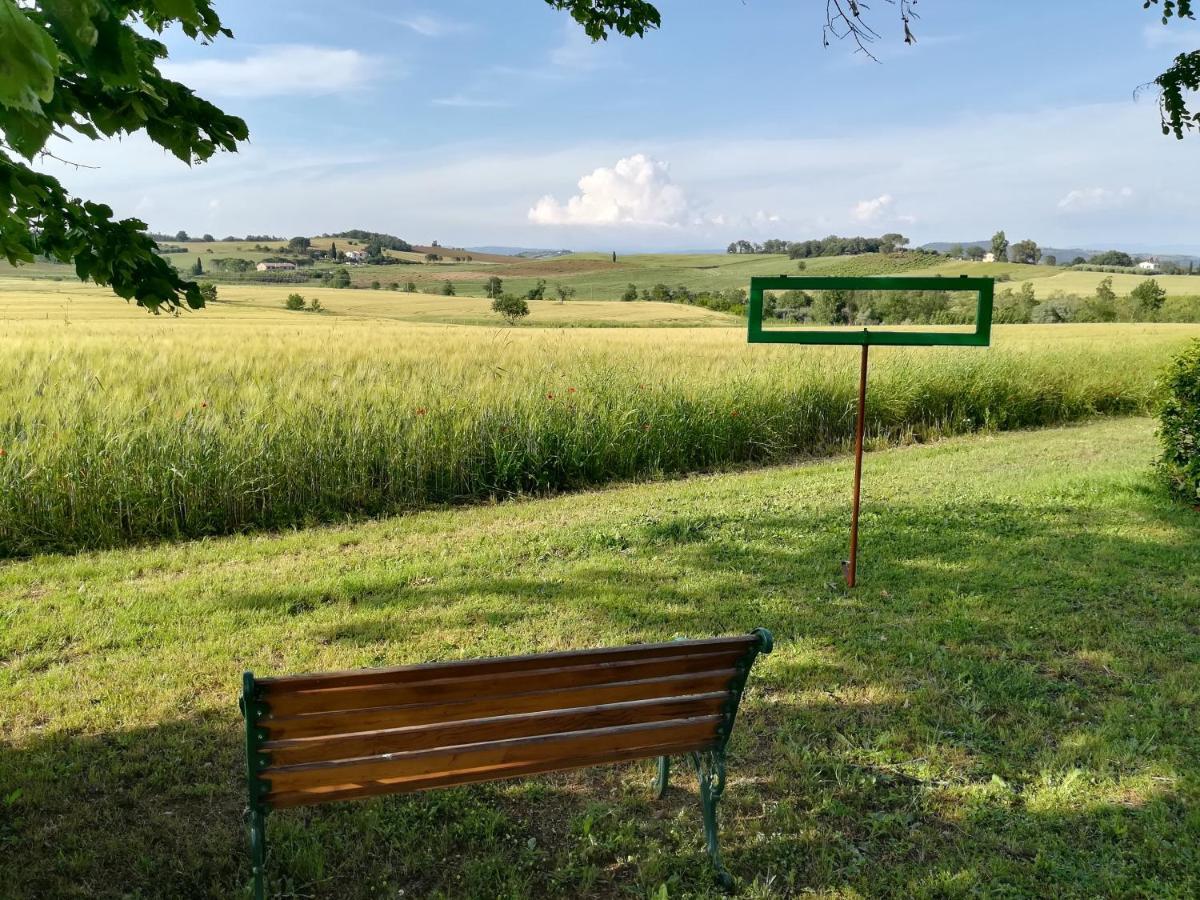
(271, 687)
(467, 776)
(565, 749)
(457, 687)
(357, 721)
(556, 721)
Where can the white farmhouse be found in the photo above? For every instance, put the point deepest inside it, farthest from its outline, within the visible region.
(989, 257)
(1147, 265)
(274, 266)
(356, 255)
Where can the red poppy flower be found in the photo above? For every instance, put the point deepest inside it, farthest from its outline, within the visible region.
(549, 395)
(420, 410)
(734, 413)
(570, 390)
(3, 452)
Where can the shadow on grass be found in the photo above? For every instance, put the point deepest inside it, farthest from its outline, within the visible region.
(1003, 707)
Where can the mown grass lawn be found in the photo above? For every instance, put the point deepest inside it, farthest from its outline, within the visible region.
(1008, 705)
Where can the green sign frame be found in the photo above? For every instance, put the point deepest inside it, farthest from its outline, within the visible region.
(984, 288)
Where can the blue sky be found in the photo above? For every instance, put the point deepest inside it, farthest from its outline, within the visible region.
(498, 122)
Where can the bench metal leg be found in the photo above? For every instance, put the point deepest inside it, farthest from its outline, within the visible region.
(258, 851)
(663, 778)
(710, 771)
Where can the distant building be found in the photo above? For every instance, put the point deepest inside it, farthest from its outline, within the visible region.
(989, 257)
(356, 255)
(1147, 265)
(274, 266)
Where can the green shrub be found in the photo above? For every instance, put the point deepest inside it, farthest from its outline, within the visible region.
(314, 305)
(294, 301)
(1180, 431)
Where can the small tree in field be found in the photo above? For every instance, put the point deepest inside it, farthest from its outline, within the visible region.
(564, 292)
(538, 291)
(340, 278)
(197, 267)
(1026, 251)
(1000, 246)
(294, 301)
(314, 305)
(208, 291)
(494, 287)
(410, 287)
(1149, 297)
(631, 293)
(448, 288)
(513, 308)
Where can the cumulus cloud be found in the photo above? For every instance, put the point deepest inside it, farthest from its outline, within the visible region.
(879, 209)
(1096, 198)
(277, 71)
(636, 191)
(873, 210)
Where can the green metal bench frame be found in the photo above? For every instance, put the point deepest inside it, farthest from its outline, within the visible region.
(709, 760)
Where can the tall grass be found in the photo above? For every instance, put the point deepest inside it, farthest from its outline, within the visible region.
(123, 431)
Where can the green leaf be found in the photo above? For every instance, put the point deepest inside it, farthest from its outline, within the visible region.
(28, 60)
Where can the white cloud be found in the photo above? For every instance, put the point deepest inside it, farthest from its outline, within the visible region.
(636, 191)
(278, 70)
(873, 210)
(430, 26)
(879, 210)
(467, 102)
(1177, 34)
(1096, 198)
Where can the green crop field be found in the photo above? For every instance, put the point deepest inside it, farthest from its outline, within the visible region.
(1006, 707)
(1084, 283)
(32, 300)
(119, 426)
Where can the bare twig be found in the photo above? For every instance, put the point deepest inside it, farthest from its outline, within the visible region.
(845, 19)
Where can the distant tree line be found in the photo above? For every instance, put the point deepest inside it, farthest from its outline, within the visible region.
(730, 301)
(1147, 302)
(830, 246)
(208, 238)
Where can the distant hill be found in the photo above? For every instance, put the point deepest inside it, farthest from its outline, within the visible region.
(524, 252)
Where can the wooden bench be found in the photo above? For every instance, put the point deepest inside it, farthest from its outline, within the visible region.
(346, 735)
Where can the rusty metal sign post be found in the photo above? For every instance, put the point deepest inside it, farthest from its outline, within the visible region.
(984, 288)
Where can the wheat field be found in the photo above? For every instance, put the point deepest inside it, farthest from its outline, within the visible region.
(117, 426)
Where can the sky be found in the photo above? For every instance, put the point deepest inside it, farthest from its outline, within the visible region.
(497, 122)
